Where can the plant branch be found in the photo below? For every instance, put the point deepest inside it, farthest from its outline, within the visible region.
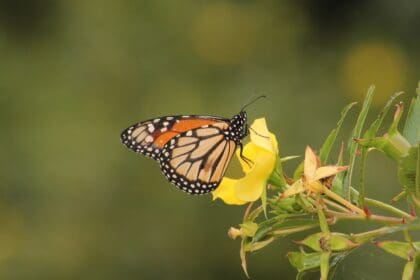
(375, 218)
(384, 206)
(284, 232)
(341, 200)
(335, 205)
(387, 207)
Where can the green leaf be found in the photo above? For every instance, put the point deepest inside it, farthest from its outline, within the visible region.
(352, 145)
(374, 127)
(254, 214)
(385, 145)
(264, 201)
(335, 242)
(337, 185)
(285, 205)
(407, 170)
(397, 248)
(313, 241)
(277, 177)
(369, 235)
(292, 223)
(370, 133)
(298, 171)
(329, 142)
(242, 254)
(249, 228)
(418, 173)
(412, 124)
(341, 242)
(265, 227)
(284, 159)
(304, 261)
(255, 246)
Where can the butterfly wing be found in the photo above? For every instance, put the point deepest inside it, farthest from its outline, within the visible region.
(149, 137)
(196, 160)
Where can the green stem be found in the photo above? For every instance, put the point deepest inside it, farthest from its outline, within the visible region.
(375, 218)
(369, 235)
(362, 177)
(387, 207)
(384, 206)
(321, 215)
(343, 201)
(335, 205)
(284, 232)
(398, 197)
(408, 237)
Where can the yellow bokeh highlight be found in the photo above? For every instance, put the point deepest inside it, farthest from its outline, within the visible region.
(224, 33)
(378, 63)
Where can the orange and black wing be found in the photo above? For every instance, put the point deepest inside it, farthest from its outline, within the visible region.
(196, 160)
(149, 137)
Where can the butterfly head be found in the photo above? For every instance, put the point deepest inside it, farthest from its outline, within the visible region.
(238, 128)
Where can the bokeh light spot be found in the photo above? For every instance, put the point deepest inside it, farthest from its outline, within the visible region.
(381, 64)
(224, 33)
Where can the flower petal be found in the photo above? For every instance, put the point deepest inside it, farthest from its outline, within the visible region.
(296, 188)
(250, 187)
(261, 136)
(262, 152)
(310, 164)
(226, 192)
(327, 171)
(250, 151)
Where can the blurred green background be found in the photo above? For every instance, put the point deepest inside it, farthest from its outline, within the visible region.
(75, 204)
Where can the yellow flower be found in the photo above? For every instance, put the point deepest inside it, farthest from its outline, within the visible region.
(313, 172)
(262, 151)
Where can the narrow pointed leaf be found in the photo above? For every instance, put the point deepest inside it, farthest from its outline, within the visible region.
(255, 246)
(412, 123)
(277, 177)
(304, 261)
(249, 228)
(407, 171)
(397, 248)
(329, 142)
(370, 133)
(341, 242)
(384, 145)
(242, 254)
(374, 127)
(298, 172)
(352, 145)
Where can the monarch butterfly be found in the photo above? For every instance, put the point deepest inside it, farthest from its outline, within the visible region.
(193, 150)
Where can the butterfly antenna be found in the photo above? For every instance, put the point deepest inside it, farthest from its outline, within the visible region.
(252, 101)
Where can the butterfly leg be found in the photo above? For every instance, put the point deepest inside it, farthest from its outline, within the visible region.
(244, 158)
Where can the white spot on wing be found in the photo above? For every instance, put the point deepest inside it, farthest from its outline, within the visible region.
(150, 128)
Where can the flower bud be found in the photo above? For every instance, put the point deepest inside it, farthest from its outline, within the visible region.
(233, 233)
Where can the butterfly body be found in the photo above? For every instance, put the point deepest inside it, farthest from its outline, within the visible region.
(193, 151)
